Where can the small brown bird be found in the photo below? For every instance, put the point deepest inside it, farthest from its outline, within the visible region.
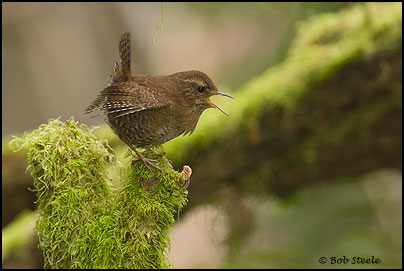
(147, 110)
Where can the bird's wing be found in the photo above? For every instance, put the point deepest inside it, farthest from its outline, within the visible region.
(126, 98)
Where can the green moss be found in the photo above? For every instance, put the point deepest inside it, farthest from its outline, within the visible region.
(85, 222)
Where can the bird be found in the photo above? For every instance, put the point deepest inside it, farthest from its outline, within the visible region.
(149, 110)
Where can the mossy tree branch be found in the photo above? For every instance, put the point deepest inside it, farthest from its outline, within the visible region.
(84, 222)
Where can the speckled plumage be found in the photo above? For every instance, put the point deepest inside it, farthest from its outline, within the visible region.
(146, 110)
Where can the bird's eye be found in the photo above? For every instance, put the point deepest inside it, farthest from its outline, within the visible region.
(201, 89)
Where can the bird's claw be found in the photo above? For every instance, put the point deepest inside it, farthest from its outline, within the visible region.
(147, 162)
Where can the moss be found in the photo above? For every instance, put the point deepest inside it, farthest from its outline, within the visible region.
(85, 222)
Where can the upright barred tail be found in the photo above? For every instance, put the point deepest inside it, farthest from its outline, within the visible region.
(122, 70)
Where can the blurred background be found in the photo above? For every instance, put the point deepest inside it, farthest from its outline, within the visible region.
(309, 163)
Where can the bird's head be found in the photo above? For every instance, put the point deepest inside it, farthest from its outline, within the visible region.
(197, 89)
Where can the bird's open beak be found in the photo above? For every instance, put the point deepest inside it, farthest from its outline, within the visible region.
(218, 107)
(224, 94)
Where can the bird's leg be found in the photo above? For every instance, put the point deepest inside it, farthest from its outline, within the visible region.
(168, 162)
(146, 161)
(162, 155)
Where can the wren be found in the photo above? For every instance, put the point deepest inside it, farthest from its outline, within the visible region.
(148, 110)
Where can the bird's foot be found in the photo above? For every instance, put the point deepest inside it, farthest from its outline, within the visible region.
(146, 161)
(161, 154)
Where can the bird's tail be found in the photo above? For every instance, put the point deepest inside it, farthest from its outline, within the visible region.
(122, 71)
